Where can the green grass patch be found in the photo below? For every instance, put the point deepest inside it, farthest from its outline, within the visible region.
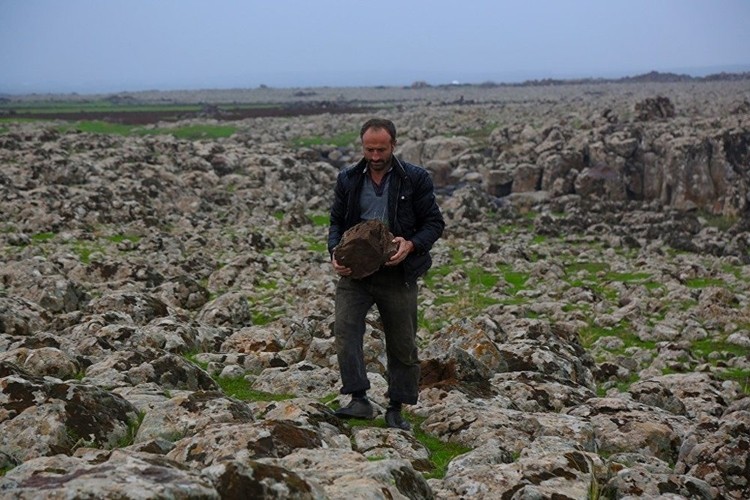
(341, 140)
(77, 440)
(461, 298)
(621, 385)
(734, 270)
(721, 222)
(47, 107)
(507, 229)
(591, 333)
(329, 398)
(102, 127)
(623, 330)
(624, 385)
(239, 388)
(265, 291)
(17, 120)
(594, 276)
(703, 282)
(632, 340)
(84, 251)
(433, 276)
(261, 318)
(108, 106)
(429, 325)
(193, 132)
(583, 306)
(119, 238)
(188, 132)
(457, 257)
(628, 277)
(316, 246)
(191, 356)
(653, 285)
(515, 279)
(687, 304)
(321, 220)
(514, 301)
(478, 277)
(267, 285)
(657, 317)
(440, 452)
(41, 237)
(667, 370)
(480, 135)
(741, 376)
(704, 347)
(133, 426)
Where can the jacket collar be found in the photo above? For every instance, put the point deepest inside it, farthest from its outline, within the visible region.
(361, 167)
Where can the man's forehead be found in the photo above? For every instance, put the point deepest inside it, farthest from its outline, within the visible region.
(377, 133)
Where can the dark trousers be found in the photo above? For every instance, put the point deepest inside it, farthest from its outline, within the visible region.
(397, 305)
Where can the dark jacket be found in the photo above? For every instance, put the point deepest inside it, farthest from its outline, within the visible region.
(413, 212)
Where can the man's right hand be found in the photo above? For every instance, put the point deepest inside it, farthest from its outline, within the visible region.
(340, 270)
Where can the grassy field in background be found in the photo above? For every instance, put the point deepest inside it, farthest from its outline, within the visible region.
(185, 132)
(50, 107)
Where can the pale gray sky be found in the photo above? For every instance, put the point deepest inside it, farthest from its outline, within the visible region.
(89, 46)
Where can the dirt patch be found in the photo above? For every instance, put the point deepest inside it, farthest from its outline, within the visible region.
(144, 117)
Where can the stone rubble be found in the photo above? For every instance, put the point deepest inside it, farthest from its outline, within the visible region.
(136, 271)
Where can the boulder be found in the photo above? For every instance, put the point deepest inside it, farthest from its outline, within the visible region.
(121, 475)
(654, 108)
(365, 247)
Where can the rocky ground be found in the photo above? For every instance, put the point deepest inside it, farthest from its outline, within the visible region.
(166, 305)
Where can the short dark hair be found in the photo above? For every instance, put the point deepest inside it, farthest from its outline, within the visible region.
(379, 123)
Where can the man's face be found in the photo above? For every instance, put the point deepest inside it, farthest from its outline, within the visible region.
(377, 148)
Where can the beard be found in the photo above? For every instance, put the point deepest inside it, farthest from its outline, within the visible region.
(380, 165)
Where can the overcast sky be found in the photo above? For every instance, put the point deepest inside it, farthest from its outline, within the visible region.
(89, 46)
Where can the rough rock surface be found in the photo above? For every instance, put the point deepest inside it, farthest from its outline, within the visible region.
(166, 305)
(365, 247)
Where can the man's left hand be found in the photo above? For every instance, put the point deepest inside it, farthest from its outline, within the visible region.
(403, 248)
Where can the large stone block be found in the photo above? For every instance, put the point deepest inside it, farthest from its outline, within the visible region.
(365, 247)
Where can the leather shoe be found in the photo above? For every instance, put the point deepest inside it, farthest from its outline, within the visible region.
(357, 408)
(394, 420)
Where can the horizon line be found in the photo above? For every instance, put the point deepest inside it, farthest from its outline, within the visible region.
(696, 73)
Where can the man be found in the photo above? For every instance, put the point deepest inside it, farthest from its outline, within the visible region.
(380, 186)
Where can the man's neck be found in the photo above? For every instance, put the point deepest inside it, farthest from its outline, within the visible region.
(377, 176)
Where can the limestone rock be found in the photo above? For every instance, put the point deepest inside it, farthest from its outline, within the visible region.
(654, 108)
(121, 475)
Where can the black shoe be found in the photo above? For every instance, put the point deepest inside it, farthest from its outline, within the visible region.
(357, 408)
(394, 420)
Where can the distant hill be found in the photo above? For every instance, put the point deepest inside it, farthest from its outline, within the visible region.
(651, 77)
(331, 95)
